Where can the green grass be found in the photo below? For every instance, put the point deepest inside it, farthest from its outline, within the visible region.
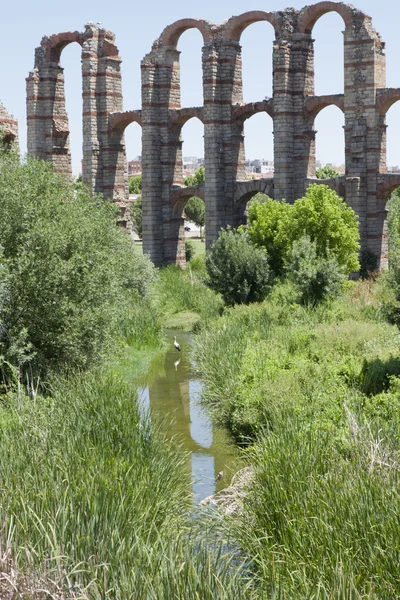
(317, 394)
(96, 498)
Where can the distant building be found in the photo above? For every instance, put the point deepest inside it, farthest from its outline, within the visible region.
(135, 166)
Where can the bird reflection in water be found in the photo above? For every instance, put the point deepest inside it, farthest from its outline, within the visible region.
(176, 364)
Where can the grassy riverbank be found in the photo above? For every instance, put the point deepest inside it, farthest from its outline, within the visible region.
(314, 392)
(97, 500)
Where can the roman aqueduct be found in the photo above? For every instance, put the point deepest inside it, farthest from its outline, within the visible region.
(293, 108)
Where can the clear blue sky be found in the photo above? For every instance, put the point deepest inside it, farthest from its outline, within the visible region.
(137, 24)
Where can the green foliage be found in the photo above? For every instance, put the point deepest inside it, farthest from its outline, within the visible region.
(237, 269)
(195, 211)
(326, 172)
(71, 271)
(321, 214)
(316, 521)
(136, 215)
(198, 178)
(266, 229)
(135, 184)
(325, 218)
(180, 291)
(189, 250)
(316, 278)
(96, 496)
(260, 360)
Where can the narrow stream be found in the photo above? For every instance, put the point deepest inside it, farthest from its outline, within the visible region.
(174, 396)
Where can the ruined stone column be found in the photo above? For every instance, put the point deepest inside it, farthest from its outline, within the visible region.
(224, 154)
(302, 66)
(160, 93)
(364, 74)
(48, 130)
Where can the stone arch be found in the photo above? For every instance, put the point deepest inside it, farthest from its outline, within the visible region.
(244, 192)
(387, 183)
(180, 196)
(309, 15)
(56, 44)
(182, 115)
(386, 99)
(235, 26)
(119, 121)
(246, 111)
(171, 34)
(314, 104)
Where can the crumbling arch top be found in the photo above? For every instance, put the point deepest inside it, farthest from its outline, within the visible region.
(241, 113)
(309, 15)
(234, 28)
(56, 44)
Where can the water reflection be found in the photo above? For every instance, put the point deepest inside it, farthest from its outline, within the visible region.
(174, 396)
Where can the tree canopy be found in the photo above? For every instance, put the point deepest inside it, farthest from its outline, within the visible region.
(135, 184)
(326, 172)
(321, 215)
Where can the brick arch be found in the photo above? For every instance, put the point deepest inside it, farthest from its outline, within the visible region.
(56, 44)
(309, 15)
(171, 34)
(314, 104)
(119, 121)
(248, 110)
(387, 183)
(245, 190)
(235, 26)
(386, 99)
(179, 198)
(182, 115)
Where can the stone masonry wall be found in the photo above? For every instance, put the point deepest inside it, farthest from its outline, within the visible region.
(293, 108)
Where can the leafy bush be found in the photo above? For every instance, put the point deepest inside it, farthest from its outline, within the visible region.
(326, 172)
(321, 214)
(135, 184)
(316, 278)
(189, 250)
(136, 215)
(71, 270)
(266, 230)
(237, 269)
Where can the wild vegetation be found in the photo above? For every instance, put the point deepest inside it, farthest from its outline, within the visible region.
(96, 501)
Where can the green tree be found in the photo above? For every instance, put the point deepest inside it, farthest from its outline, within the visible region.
(198, 178)
(237, 269)
(316, 278)
(195, 211)
(329, 222)
(266, 229)
(136, 215)
(321, 214)
(135, 184)
(70, 271)
(326, 172)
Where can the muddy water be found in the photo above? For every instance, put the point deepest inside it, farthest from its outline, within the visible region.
(173, 396)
